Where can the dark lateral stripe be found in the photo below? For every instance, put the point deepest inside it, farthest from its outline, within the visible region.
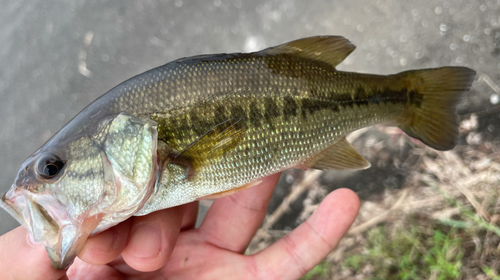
(271, 110)
(310, 106)
(361, 97)
(268, 110)
(220, 114)
(255, 115)
(237, 111)
(415, 98)
(194, 119)
(290, 108)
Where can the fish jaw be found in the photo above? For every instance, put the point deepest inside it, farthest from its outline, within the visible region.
(8, 203)
(49, 224)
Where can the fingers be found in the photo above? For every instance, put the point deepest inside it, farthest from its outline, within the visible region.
(19, 259)
(232, 221)
(107, 245)
(303, 248)
(83, 270)
(152, 239)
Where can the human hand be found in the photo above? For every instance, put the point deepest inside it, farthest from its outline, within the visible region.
(165, 244)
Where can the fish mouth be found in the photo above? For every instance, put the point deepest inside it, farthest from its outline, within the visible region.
(47, 222)
(8, 204)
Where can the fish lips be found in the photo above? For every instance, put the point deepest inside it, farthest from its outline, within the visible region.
(48, 223)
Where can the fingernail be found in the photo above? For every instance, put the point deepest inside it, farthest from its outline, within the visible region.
(145, 241)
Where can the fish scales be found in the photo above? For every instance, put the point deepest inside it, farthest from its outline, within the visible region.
(292, 108)
(210, 125)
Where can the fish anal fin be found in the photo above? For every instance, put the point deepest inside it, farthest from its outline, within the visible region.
(339, 156)
(330, 49)
(231, 191)
(212, 145)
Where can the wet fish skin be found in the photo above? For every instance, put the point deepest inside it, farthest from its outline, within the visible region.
(212, 124)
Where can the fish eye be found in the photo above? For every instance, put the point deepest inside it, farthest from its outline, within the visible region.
(49, 166)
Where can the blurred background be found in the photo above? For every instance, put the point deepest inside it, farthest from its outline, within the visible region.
(424, 215)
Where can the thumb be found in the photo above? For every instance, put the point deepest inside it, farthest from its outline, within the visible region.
(19, 259)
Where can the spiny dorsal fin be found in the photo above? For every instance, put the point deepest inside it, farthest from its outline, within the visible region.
(212, 145)
(339, 156)
(330, 49)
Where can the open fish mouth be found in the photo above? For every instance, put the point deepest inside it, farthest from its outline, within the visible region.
(47, 222)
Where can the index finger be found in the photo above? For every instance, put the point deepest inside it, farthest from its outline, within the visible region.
(19, 259)
(298, 252)
(232, 221)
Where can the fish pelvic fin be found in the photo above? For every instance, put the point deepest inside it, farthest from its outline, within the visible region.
(433, 97)
(330, 49)
(231, 191)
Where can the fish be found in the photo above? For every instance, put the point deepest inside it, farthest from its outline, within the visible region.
(210, 125)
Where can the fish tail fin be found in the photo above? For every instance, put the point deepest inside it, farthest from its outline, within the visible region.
(431, 116)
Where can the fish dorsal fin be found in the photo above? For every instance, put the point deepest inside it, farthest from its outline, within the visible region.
(212, 145)
(330, 49)
(339, 156)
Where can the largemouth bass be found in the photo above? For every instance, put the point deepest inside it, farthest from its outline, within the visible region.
(210, 125)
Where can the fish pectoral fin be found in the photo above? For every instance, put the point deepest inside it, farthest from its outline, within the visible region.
(212, 145)
(330, 49)
(231, 191)
(339, 156)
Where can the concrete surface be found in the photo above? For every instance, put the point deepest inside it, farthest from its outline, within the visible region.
(58, 56)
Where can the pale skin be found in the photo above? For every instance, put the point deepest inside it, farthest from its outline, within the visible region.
(165, 244)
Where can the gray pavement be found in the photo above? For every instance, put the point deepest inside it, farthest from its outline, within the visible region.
(58, 56)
